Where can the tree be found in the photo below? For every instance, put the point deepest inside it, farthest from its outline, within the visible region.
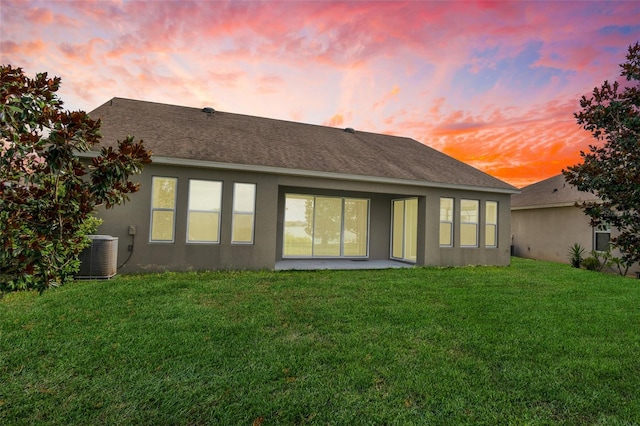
(48, 195)
(611, 168)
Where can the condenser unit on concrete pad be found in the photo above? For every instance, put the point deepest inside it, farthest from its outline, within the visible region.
(99, 260)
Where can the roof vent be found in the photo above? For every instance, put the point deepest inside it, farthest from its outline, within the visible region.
(208, 110)
(350, 130)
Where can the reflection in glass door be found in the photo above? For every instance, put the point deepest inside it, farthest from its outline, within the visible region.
(328, 223)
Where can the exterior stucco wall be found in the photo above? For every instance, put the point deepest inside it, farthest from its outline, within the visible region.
(548, 233)
(462, 256)
(269, 221)
(180, 255)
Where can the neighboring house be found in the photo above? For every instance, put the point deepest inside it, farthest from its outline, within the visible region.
(545, 221)
(230, 191)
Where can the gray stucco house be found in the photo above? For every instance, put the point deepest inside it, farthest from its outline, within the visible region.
(546, 222)
(230, 191)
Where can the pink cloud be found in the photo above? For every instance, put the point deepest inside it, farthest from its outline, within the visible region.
(226, 78)
(81, 53)
(10, 47)
(269, 84)
(123, 45)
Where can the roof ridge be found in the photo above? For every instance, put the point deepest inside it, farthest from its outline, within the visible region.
(217, 111)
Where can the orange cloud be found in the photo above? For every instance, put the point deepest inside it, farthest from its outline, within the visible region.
(393, 93)
(453, 129)
(521, 150)
(335, 121)
(518, 145)
(39, 16)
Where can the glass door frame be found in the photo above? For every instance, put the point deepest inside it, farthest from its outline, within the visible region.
(406, 244)
(341, 255)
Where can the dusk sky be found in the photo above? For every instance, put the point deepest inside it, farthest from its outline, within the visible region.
(494, 84)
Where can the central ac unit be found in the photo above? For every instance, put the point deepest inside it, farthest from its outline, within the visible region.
(99, 260)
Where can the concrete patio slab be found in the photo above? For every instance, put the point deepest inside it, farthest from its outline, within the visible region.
(315, 264)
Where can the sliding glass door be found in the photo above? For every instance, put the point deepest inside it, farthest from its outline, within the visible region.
(404, 239)
(320, 226)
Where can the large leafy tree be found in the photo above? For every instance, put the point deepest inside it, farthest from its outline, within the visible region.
(47, 193)
(611, 168)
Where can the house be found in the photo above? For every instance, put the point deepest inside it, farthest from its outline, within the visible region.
(231, 191)
(546, 222)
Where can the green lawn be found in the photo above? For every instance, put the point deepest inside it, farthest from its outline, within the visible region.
(533, 343)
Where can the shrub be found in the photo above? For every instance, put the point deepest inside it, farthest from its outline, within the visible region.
(576, 252)
(47, 194)
(592, 264)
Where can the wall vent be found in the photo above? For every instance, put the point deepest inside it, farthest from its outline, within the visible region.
(99, 260)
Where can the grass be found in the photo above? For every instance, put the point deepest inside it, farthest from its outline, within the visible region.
(533, 343)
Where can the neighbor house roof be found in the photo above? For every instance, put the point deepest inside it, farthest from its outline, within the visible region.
(551, 192)
(191, 136)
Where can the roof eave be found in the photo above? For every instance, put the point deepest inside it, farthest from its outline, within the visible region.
(549, 206)
(543, 206)
(170, 161)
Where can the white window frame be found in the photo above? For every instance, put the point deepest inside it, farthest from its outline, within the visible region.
(218, 211)
(451, 222)
(156, 209)
(602, 229)
(237, 213)
(463, 222)
(488, 224)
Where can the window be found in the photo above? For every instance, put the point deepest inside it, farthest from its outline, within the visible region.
(163, 208)
(491, 224)
(601, 236)
(318, 226)
(404, 243)
(469, 223)
(244, 203)
(203, 217)
(446, 222)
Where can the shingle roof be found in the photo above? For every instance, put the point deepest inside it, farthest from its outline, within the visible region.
(179, 132)
(551, 192)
